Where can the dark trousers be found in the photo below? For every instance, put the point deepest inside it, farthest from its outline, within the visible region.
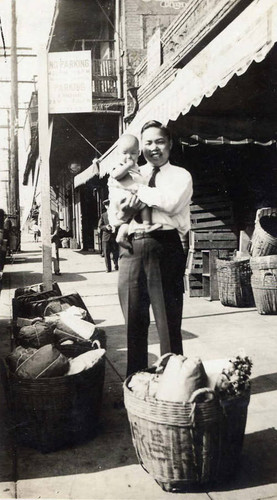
(110, 247)
(152, 273)
(55, 257)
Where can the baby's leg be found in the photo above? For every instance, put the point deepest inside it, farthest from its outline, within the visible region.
(146, 216)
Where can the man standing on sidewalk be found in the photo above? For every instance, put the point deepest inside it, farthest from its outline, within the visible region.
(56, 244)
(157, 257)
(109, 245)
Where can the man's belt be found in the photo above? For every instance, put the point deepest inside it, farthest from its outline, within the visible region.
(139, 235)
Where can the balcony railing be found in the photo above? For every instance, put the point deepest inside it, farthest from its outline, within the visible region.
(104, 77)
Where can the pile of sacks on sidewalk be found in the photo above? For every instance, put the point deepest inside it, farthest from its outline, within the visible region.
(55, 373)
(42, 341)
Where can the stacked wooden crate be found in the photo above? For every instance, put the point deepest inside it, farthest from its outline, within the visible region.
(211, 236)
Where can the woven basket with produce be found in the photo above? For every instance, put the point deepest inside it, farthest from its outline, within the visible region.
(190, 433)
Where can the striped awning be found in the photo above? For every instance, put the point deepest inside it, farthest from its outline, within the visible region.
(247, 39)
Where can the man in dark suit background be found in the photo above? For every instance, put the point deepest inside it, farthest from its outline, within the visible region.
(109, 245)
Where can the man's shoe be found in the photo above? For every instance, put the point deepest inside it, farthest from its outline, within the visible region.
(108, 270)
(116, 268)
(57, 273)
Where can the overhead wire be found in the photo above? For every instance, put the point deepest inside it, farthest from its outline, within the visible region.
(110, 22)
(3, 39)
(80, 133)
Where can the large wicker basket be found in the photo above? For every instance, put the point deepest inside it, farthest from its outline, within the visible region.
(186, 446)
(264, 238)
(51, 413)
(264, 283)
(234, 282)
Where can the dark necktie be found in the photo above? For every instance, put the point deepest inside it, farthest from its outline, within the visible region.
(152, 180)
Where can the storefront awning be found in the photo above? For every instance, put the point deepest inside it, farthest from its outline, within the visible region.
(86, 175)
(247, 39)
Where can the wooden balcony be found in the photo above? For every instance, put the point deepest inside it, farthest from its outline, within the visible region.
(104, 79)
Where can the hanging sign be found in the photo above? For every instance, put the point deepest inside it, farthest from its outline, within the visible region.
(70, 82)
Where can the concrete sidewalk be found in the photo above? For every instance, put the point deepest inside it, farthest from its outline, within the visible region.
(106, 467)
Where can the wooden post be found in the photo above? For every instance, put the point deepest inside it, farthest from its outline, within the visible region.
(44, 152)
(14, 177)
(118, 49)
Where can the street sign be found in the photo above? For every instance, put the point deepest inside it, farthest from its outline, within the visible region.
(70, 82)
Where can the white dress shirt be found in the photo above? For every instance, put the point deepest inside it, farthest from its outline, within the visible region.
(170, 199)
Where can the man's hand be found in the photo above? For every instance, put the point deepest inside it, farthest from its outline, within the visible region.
(129, 207)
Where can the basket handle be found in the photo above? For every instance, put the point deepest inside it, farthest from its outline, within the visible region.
(96, 344)
(269, 273)
(201, 392)
(272, 212)
(223, 268)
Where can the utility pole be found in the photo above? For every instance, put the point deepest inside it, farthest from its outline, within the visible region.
(9, 163)
(44, 152)
(14, 177)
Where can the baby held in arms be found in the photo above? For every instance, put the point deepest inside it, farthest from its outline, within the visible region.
(122, 178)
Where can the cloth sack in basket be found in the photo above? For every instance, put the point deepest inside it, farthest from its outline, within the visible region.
(213, 369)
(181, 377)
(55, 307)
(144, 384)
(35, 335)
(17, 356)
(20, 322)
(85, 361)
(73, 312)
(44, 362)
(72, 299)
(60, 336)
(76, 326)
(70, 312)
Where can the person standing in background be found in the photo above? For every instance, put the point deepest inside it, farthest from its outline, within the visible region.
(109, 245)
(36, 231)
(56, 244)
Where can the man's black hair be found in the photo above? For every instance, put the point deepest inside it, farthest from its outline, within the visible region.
(159, 125)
